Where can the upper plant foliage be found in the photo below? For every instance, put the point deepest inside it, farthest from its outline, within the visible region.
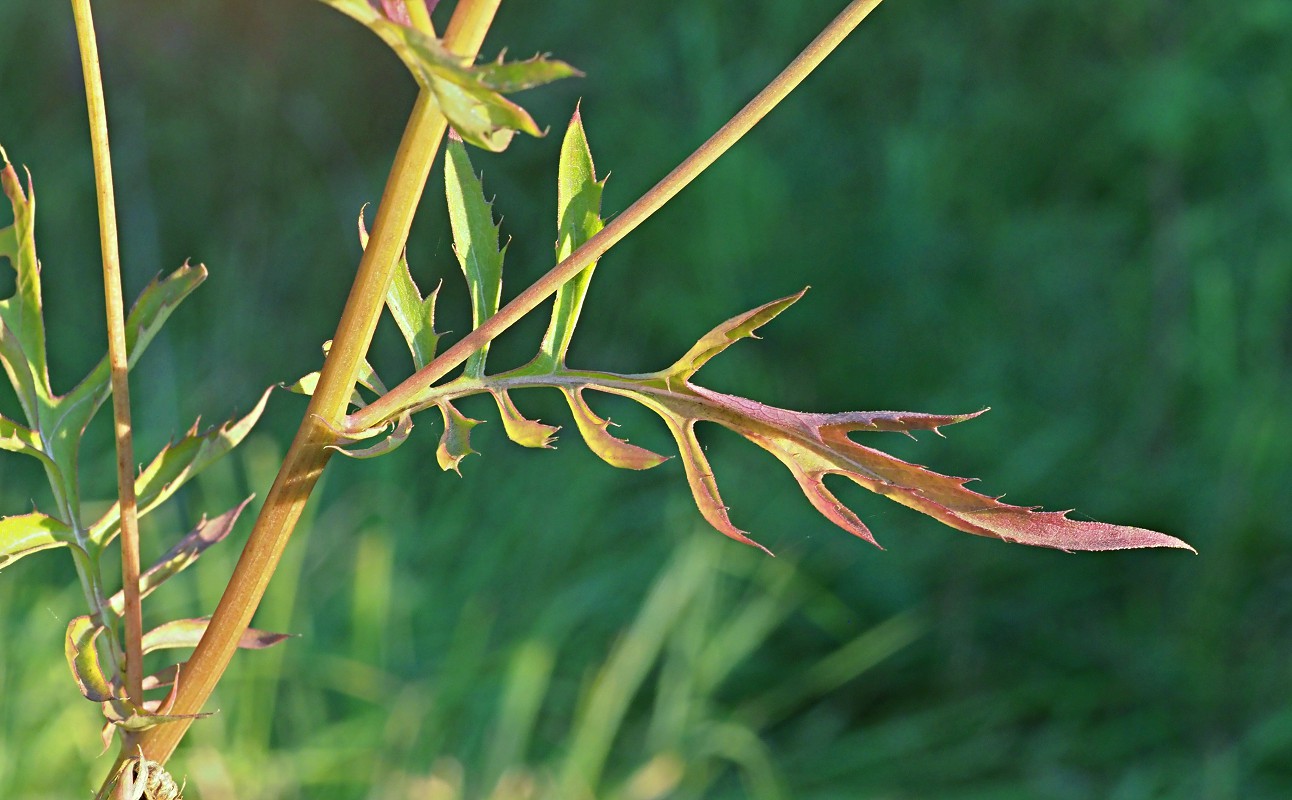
(52, 434)
(812, 446)
(471, 97)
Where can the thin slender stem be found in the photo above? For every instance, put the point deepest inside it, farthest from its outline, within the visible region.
(403, 395)
(117, 358)
(306, 458)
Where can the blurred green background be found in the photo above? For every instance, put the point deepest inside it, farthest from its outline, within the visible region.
(1076, 213)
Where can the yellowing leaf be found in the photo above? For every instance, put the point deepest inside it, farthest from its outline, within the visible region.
(521, 430)
(83, 659)
(455, 443)
(614, 451)
(25, 534)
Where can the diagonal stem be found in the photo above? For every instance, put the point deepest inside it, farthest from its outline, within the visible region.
(117, 357)
(305, 460)
(404, 395)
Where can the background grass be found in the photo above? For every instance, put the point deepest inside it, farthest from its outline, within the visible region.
(1074, 213)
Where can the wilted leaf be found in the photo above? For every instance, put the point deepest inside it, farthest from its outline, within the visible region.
(183, 554)
(30, 533)
(176, 464)
(396, 438)
(520, 429)
(614, 451)
(187, 633)
(83, 659)
(455, 443)
(475, 241)
(578, 210)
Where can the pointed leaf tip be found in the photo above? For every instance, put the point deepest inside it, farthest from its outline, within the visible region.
(614, 451)
(521, 430)
(726, 334)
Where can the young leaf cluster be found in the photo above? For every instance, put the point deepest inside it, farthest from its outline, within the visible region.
(811, 446)
(51, 433)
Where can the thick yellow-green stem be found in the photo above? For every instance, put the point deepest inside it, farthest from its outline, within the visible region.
(306, 458)
(117, 357)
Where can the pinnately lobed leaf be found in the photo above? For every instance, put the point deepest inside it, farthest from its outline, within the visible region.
(813, 446)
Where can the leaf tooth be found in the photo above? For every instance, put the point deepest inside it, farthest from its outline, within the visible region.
(614, 451)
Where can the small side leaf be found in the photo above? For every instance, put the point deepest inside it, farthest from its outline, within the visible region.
(183, 554)
(725, 335)
(176, 464)
(475, 242)
(578, 218)
(614, 451)
(19, 439)
(30, 533)
(22, 327)
(83, 659)
(520, 429)
(455, 443)
(187, 632)
(396, 438)
(413, 314)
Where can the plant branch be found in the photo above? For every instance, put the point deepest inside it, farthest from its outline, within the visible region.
(390, 404)
(307, 457)
(117, 357)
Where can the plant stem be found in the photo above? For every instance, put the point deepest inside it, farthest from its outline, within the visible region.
(117, 357)
(402, 396)
(306, 458)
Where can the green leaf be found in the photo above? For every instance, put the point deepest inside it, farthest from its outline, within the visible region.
(470, 97)
(614, 451)
(18, 439)
(176, 464)
(413, 314)
(521, 430)
(725, 335)
(396, 438)
(182, 555)
(482, 118)
(22, 328)
(187, 632)
(30, 533)
(83, 659)
(578, 209)
(475, 241)
(455, 443)
(70, 414)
